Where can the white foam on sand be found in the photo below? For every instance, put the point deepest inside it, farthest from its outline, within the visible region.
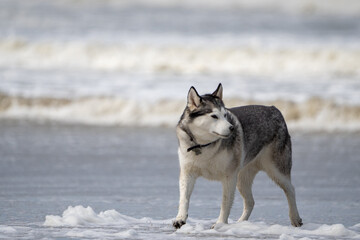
(262, 230)
(7, 232)
(79, 215)
(7, 229)
(86, 223)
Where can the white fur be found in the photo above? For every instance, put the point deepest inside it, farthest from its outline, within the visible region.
(212, 164)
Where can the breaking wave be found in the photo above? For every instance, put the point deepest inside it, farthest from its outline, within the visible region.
(314, 114)
(182, 59)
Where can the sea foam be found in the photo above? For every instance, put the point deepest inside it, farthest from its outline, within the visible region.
(7, 229)
(79, 215)
(88, 220)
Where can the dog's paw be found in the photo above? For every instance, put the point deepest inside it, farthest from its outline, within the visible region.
(178, 223)
(296, 222)
(217, 225)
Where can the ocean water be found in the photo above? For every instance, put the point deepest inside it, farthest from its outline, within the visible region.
(59, 59)
(100, 182)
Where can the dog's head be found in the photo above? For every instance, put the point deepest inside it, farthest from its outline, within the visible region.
(207, 115)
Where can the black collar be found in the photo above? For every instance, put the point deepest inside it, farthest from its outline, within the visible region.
(199, 146)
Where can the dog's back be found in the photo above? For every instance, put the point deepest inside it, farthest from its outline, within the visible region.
(261, 126)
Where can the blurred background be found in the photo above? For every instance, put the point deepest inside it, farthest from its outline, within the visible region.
(91, 92)
(131, 63)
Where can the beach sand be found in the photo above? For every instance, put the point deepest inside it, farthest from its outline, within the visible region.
(46, 167)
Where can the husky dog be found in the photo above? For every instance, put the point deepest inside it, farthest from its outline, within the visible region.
(232, 146)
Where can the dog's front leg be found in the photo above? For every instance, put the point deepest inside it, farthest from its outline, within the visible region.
(229, 185)
(186, 186)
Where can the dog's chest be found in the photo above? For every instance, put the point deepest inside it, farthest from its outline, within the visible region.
(211, 165)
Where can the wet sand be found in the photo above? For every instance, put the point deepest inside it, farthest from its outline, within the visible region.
(44, 168)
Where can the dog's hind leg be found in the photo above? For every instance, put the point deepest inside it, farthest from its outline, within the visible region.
(284, 182)
(245, 179)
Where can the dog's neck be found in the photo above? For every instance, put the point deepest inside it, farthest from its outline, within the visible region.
(194, 146)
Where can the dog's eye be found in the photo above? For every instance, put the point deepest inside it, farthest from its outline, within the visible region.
(214, 116)
(225, 115)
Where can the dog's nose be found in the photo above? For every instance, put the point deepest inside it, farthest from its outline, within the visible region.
(231, 128)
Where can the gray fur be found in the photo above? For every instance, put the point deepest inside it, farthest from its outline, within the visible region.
(262, 125)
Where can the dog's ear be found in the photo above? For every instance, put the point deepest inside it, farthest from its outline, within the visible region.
(218, 92)
(193, 99)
